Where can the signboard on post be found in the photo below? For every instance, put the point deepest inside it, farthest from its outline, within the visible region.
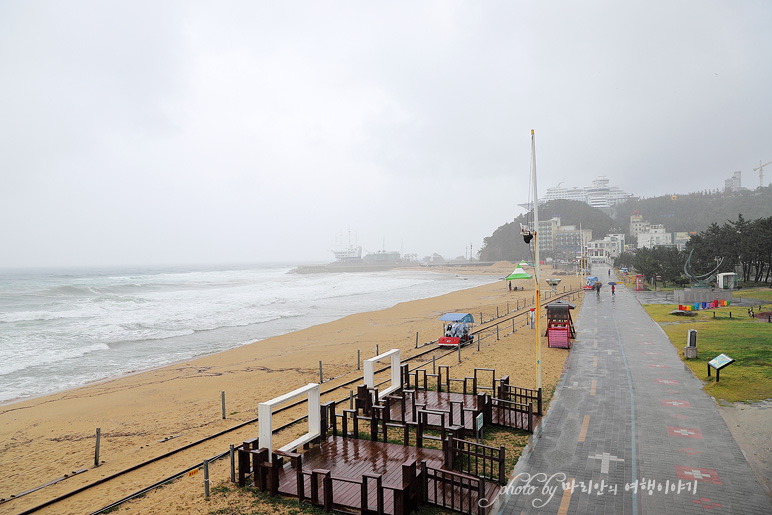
(478, 427)
(719, 362)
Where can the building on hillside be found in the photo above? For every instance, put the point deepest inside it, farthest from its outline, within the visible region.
(570, 242)
(638, 224)
(655, 237)
(547, 231)
(607, 249)
(680, 239)
(599, 195)
(734, 183)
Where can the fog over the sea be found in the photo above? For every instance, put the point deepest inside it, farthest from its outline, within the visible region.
(198, 132)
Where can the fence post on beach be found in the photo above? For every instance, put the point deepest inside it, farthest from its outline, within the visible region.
(358, 368)
(497, 332)
(416, 339)
(223, 404)
(96, 448)
(377, 352)
(206, 479)
(350, 399)
(481, 320)
(434, 363)
(321, 379)
(233, 463)
(497, 312)
(459, 352)
(507, 308)
(478, 341)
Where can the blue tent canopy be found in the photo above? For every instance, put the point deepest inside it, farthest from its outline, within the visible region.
(458, 317)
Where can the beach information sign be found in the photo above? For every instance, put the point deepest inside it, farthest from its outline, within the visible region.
(719, 362)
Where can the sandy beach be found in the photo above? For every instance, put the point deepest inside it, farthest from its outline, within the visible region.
(45, 438)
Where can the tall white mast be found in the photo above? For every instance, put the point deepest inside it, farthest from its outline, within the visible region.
(536, 253)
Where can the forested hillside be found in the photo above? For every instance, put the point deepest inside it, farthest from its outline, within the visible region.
(693, 212)
(696, 211)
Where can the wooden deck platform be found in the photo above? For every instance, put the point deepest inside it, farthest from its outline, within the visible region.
(463, 407)
(441, 401)
(349, 459)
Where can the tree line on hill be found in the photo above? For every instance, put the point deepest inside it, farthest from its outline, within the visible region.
(693, 212)
(742, 243)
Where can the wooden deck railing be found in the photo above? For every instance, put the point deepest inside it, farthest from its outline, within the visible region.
(512, 414)
(453, 490)
(477, 459)
(521, 395)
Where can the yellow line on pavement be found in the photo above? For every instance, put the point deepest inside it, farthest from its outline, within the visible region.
(585, 425)
(592, 388)
(566, 500)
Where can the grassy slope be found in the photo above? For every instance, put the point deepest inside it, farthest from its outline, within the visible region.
(754, 293)
(747, 341)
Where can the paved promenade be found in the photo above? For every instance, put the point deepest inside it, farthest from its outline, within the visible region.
(631, 428)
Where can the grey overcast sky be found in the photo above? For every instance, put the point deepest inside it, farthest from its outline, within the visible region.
(147, 132)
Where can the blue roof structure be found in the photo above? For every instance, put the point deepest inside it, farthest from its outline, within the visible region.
(458, 317)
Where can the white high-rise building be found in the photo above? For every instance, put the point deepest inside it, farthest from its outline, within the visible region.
(599, 195)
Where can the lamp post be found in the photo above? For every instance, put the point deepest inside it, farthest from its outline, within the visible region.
(536, 254)
(533, 234)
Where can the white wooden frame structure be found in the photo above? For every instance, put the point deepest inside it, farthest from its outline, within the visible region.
(395, 372)
(265, 418)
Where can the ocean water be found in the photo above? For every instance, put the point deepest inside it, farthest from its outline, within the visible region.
(61, 329)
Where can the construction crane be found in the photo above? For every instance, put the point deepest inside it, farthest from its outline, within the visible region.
(761, 172)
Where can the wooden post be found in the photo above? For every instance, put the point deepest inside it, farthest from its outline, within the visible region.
(507, 308)
(497, 312)
(416, 339)
(321, 379)
(434, 363)
(96, 448)
(459, 352)
(206, 479)
(223, 404)
(233, 463)
(351, 399)
(377, 352)
(497, 332)
(358, 368)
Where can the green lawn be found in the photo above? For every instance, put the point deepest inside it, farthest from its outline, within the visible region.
(754, 293)
(747, 341)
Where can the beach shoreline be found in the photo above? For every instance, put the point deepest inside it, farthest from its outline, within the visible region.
(136, 412)
(261, 331)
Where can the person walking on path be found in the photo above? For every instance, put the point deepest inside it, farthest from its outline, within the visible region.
(612, 290)
(597, 286)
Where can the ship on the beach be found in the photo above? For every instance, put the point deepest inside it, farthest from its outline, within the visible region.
(349, 255)
(350, 259)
